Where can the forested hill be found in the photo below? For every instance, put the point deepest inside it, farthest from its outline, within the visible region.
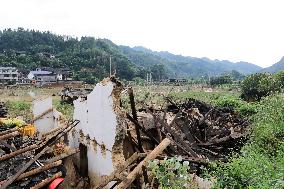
(195, 67)
(88, 57)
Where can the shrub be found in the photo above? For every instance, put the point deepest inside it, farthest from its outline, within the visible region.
(259, 85)
(19, 108)
(171, 173)
(280, 78)
(66, 109)
(18, 105)
(244, 108)
(261, 162)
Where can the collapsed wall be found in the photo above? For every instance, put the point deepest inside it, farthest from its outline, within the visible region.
(101, 131)
(46, 118)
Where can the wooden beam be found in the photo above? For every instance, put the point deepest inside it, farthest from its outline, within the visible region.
(139, 168)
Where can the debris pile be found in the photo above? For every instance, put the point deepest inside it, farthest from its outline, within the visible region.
(68, 95)
(3, 110)
(194, 130)
(209, 132)
(30, 162)
(114, 145)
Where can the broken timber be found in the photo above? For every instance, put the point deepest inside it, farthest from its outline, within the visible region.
(138, 169)
(47, 181)
(20, 151)
(37, 170)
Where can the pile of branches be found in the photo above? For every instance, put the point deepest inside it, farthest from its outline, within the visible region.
(3, 110)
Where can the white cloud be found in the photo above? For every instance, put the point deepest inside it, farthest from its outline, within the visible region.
(249, 30)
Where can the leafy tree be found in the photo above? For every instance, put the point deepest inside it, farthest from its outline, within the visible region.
(280, 78)
(158, 72)
(259, 85)
(236, 76)
(224, 79)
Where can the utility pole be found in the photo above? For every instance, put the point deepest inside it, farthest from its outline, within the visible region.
(147, 78)
(110, 66)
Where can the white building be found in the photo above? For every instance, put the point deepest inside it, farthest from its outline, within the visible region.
(42, 76)
(8, 74)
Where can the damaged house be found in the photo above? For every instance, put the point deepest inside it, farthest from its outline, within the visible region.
(111, 147)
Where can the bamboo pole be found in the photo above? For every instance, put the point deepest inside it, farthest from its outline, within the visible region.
(15, 153)
(37, 170)
(23, 169)
(138, 169)
(9, 131)
(9, 135)
(64, 155)
(116, 172)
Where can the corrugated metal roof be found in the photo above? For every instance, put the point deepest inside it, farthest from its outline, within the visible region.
(41, 72)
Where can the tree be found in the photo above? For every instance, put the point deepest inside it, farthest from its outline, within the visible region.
(259, 85)
(158, 72)
(224, 79)
(236, 76)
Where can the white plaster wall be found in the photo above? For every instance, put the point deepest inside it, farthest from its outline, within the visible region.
(98, 120)
(49, 121)
(41, 105)
(46, 122)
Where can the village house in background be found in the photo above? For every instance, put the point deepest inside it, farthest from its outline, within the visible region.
(50, 75)
(39, 76)
(9, 75)
(42, 76)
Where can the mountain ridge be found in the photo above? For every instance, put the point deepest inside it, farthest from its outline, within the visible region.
(278, 66)
(192, 66)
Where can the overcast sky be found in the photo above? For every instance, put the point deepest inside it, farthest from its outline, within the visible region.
(247, 30)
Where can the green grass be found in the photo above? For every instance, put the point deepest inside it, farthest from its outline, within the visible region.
(19, 108)
(208, 97)
(66, 109)
(220, 99)
(261, 162)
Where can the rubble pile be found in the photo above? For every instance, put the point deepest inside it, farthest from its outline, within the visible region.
(210, 132)
(9, 167)
(3, 109)
(68, 95)
(114, 145)
(30, 162)
(194, 130)
(199, 131)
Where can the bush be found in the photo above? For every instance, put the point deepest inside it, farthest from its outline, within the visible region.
(259, 85)
(18, 105)
(138, 81)
(261, 163)
(171, 173)
(280, 78)
(244, 108)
